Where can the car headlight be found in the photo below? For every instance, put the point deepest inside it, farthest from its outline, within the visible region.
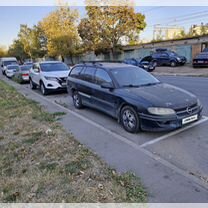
(178, 59)
(161, 111)
(51, 79)
(198, 102)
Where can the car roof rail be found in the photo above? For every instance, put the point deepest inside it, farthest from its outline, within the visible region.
(99, 63)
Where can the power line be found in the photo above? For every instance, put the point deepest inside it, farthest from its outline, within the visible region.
(185, 15)
(180, 20)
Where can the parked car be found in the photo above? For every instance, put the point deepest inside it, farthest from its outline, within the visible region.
(145, 63)
(22, 75)
(169, 58)
(11, 69)
(133, 96)
(49, 75)
(5, 61)
(201, 60)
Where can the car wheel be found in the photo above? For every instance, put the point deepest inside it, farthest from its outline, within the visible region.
(151, 69)
(129, 119)
(173, 64)
(154, 63)
(43, 90)
(32, 85)
(77, 100)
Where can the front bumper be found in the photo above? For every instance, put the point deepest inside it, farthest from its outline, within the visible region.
(9, 74)
(164, 123)
(53, 85)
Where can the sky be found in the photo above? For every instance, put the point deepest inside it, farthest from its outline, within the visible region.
(12, 16)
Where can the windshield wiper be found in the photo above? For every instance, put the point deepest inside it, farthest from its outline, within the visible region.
(149, 84)
(130, 85)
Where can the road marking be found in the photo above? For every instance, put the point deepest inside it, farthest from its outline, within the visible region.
(204, 119)
(127, 141)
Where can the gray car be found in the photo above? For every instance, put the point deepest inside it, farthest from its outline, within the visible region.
(22, 75)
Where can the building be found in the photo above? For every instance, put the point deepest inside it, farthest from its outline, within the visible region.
(199, 29)
(166, 32)
(188, 47)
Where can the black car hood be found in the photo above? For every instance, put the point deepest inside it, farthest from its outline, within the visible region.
(162, 95)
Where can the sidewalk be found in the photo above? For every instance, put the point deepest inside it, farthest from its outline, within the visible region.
(187, 70)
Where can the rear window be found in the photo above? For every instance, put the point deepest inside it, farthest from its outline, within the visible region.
(12, 67)
(76, 71)
(26, 67)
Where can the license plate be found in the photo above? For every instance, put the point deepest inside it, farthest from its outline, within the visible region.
(200, 62)
(63, 84)
(189, 119)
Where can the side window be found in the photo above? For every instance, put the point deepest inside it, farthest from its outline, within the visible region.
(76, 72)
(88, 74)
(101, 77)
(165, 55)
(36, 68)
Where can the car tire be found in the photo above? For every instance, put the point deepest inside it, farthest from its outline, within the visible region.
(173, 64)
(129, 119)
(155, 64)
(33, 86)
(43, 89)
(151, 70)
(77, 100)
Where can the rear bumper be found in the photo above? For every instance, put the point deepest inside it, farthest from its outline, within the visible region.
(164, 123)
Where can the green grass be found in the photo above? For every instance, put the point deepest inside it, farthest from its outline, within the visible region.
(40, 167)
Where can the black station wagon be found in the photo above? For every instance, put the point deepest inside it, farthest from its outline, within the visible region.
(133, 96)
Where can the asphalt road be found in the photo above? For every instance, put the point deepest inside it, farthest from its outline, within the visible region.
(172, 165)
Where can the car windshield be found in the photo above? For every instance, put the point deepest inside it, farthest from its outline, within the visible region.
(51, 67)
(13, 67)
(26, 67)
(133, 77)
(6, 63)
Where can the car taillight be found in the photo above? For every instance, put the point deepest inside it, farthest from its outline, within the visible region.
(25, 75)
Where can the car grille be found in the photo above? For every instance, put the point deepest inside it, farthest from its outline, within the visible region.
(190, 110)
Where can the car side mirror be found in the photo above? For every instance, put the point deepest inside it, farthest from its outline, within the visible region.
(107, 85)
(2, 65)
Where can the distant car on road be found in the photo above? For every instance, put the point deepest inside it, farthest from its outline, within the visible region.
(11, 69)
(168, 58)
(49, 76)
(145, 63)
(22, 75)
(5, 61)
(133, 96)
(201, 60)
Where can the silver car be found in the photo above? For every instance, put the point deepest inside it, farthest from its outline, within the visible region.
(22, 75)
(11, 69)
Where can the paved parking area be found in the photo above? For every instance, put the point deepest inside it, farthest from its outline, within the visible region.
(172, 165)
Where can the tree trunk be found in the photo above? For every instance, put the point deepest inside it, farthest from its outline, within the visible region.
(62, 58)
(71, 57)
(111, 54)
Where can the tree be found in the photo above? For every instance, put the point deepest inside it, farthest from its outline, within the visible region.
(3, 51)
(61, 32)
(33, 41)
(105, 26)
(17, 50)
